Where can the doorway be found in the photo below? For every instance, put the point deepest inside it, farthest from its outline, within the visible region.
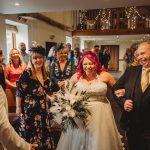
(114, 54)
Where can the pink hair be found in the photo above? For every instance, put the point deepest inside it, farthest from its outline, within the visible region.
(92, 57)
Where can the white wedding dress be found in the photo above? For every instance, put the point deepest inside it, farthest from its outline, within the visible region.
(101, 132)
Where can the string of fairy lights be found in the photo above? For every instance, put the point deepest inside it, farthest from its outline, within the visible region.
(132, 13)
(104, 15)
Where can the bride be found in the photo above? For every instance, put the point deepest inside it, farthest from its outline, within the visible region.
(101, 132)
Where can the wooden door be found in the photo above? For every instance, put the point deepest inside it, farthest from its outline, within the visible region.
(114, 53)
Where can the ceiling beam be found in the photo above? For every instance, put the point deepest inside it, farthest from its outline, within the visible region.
(110, 32)
(46, 20)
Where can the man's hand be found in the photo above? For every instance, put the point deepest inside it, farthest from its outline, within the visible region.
(128, 105)
(33, 146)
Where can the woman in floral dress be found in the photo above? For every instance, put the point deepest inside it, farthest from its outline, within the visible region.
(32, 103)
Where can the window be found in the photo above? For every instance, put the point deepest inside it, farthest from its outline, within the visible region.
(10, 38)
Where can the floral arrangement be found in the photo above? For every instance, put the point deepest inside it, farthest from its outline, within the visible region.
(69, 105)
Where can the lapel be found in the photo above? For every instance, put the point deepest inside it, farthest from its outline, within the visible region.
(146, 96)
(141, 97)
(147, 89)
(135, 76)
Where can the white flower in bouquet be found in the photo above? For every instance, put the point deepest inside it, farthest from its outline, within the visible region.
(55, 109)
(65, 114)
(58, 118)
(72, 113)
(72, 101)
(68, 104)
(68, 107)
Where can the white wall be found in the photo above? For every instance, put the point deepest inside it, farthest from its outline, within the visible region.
(61, 17)
(41, 32)
(22, 35)
(3, 36)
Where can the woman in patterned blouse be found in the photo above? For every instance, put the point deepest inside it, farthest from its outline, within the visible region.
(32, 103)
(62, 69)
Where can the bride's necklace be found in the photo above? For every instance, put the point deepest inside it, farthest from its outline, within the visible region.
(91, 80)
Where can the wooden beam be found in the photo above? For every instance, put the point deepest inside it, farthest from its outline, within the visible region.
(47, 20)
(110, 32)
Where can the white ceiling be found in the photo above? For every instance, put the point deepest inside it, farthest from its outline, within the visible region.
(30, 6)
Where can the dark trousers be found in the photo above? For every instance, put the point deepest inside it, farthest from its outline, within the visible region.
(136, 141)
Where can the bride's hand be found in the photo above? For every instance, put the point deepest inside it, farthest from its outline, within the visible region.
(120, 92)
(60, 83)
(50, 97)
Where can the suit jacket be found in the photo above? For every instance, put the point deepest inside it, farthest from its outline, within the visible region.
(2, 79)
(104, 58)
(8, 136)
(139, 118)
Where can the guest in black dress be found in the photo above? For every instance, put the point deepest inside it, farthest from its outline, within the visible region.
(32, 103)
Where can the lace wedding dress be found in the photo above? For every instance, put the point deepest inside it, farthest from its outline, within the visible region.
(101, 132)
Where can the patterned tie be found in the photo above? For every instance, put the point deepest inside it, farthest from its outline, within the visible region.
(145, 79)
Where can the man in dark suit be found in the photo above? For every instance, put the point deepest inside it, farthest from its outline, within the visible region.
(105, 57)
(70, 51)
(136, 101)
(98, 52)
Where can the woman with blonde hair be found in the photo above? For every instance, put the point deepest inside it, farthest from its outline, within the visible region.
(32, 103)
(13, 70)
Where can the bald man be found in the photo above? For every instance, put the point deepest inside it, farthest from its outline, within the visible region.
(136, 102)
(25, 56)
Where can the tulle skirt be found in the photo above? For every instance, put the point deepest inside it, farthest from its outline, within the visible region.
(101, 132)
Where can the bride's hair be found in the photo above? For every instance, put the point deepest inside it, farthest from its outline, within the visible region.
(92, 57)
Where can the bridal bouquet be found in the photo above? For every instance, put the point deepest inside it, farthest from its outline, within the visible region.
(69, 105)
